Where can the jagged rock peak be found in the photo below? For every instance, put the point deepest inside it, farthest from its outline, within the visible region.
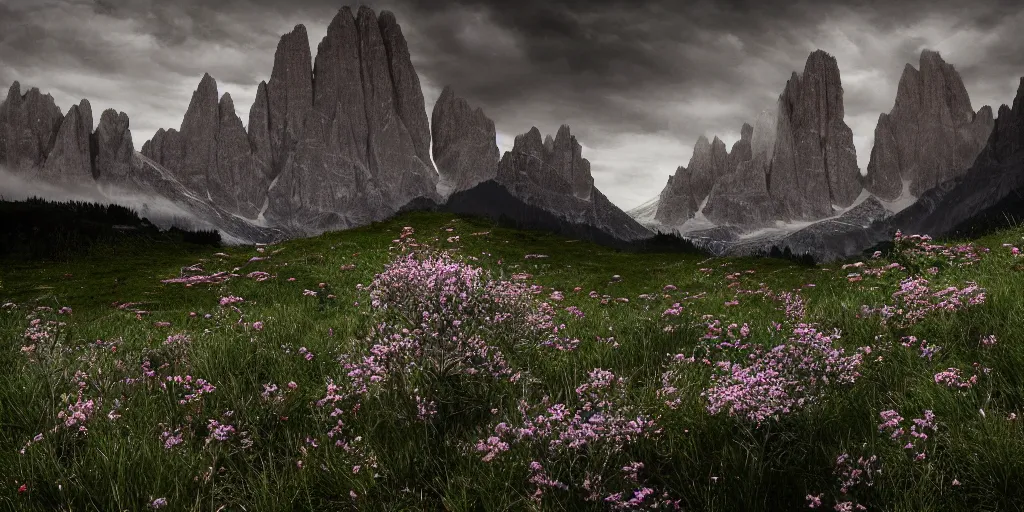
(741, 150)
(406, 83)
(465, 147)
(739, 196)
(198, 137)
(932, 133)
(746, 131)
(357, 147)
(676, 204)
(70, 160)
(707, 163)
(289, 93)
(814, 164)
(765, 130)
(29, 125)
(557, 183)
(1018, 101)
(226, 103)
(529, 140)
(115, 152)
(561, 170)
(1007, 138)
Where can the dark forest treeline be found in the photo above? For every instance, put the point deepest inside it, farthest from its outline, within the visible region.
(41, 229)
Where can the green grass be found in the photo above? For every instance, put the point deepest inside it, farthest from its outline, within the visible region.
(708, 462)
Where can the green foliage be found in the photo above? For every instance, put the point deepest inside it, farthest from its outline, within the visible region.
(280, 456)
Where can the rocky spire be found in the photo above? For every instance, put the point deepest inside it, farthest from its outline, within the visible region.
(289, 94)
(707, 163)
(199, 135)
(114, 158)
(235, 175)
(814, 165)
(29, 125)
(464, 143)
(356, 160)
(741, 149)
(70, 160)
(391, 141)
(676, 204)
(167, 148)
(408, 93)
(740, 198)
(213, 156)
(557, 182)
(259, 131)
(932, 133)
(567, 160)
(1007, 137)
(563, 170)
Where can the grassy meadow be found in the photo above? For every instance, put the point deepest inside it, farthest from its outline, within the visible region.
(440, 363)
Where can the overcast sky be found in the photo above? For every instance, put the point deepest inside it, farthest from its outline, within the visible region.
(638, 81)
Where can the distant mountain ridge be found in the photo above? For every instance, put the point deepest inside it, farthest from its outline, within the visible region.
(331, 144)
(341, 139)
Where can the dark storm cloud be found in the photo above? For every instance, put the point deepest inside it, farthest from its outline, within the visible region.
(637, 81)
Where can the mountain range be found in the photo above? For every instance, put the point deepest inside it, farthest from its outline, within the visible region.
(341, 139)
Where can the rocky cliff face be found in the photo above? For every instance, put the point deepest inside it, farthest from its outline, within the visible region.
(235, 176)
(558, 181)
(676, 204)
(707, 164)
(464, 143)
(991, 189)
(740, 197)
(289, 95)
(932, 133)
(211, 155)
(114, 150)
(1007, 138)
(343, 147)
(562, 170)
(741, 150)
(803, 164)
(687, 189)
(70, 159)
(361, 153)
(28, 129)
(814, 165)
(986, 196)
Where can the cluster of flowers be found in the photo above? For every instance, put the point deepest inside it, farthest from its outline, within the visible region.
(918, 252)
(775, 381)
(927, 349)
(78, 413)
(40, 332)
(600, 424)
(852, 474)
(191, 390)
(916, 300)
(953, 378)
(874, 271)
(912, 440)
(438, 317)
